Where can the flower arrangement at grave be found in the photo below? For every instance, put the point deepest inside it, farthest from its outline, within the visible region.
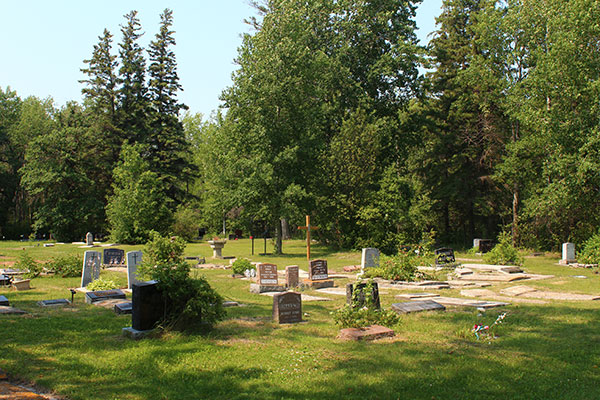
(487, 332)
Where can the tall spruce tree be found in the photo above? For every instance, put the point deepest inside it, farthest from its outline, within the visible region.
(166, 142)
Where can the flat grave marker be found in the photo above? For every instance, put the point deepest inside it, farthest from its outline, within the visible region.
(4, 301)
(123, 308)
(101, 295)
(54, 303)
(287, 307)
(417, 306)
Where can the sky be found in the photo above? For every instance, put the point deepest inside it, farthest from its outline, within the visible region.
(43, 43)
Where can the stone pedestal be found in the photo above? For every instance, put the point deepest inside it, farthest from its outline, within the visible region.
(256, 288)
(217, 246)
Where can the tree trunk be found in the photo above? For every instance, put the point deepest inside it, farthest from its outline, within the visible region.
(285, 229)
(278, 240)
(515, 216)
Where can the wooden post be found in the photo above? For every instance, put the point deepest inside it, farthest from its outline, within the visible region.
(308, 228)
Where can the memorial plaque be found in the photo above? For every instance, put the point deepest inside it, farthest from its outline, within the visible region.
(370, 258)
(148, 305)
(134, 258)
(359, 298)
(100, 295)
(266, 274)
(317, 270)
(4, 301)
(287, 307)
(54, 303)
(123, 308)
(292, 276)
(91, 267)
(113, 256)
(417, 306)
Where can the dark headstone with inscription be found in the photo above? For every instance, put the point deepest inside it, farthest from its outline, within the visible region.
(317, 270)
(287, 307)
(100, 295)
(148, 306)
(356, 294)
(444, 256)
(485, 245)
(266, 274)
(113, 256)
(4, 301)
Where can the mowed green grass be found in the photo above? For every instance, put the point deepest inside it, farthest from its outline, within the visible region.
(544, 351)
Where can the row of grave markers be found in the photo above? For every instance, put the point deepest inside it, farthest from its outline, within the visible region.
(91, 267)
(266, 274)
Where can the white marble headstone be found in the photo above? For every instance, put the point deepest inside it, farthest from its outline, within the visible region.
(568, 252)
(91, 267)
(134, 258)
(370, 258)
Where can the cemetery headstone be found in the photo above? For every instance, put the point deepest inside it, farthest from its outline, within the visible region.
(444, 256)
(356, 294)
(370, 258)
(100, 295)
(317, 270)
(147, 305)
(485, 245)
(54, 303)
(91, 267)
(568, 253)
(113, 256)
(417, 306)
(287, 307)
(134, 258)
(123, 308)
(266, 274)
(89, 239)
(4, 301)
(292, 273)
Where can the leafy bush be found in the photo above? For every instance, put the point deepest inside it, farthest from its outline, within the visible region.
(591, 250)
(65, 266)
(503, 253)
(186, 223)
(361, 314)
(189, 301)
(27, 263)
(102, 284)
(240, 265)
(401, 267)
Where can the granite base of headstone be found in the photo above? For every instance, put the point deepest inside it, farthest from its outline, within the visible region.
(4, 301)
(123, 308)
(54, 303)
(256, 288)
(356, 294)
(287, 308)
(317, 284)
(101, 295)
(148, 306)
(417, 306)
(136, 334)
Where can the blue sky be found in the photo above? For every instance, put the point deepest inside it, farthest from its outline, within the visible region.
(43, 43)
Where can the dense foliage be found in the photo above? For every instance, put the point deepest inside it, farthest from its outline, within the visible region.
(328, 116)
(504, 253)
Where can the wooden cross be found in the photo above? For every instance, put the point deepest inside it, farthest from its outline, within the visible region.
(308, 228)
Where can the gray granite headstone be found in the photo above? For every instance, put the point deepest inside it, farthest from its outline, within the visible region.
(370, 258)
(134, 258)
(417, 306)
(89, 239)
(54, 303)
(91, 267)
(568, 253)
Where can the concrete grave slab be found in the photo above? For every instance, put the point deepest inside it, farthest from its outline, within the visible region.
(517, 290)
(372, 332)
(417, 306)
(458, 302)
(477, 293)
(416, 296)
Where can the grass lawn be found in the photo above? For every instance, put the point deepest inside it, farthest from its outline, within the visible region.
(544, 351)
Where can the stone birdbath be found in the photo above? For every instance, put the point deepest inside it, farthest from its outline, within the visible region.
(217, 245)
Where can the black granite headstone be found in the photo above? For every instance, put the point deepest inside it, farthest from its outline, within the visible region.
(444, 256)
(148, 306)
(485, 245)
(100, 295)
(113, 256)
(359, 299)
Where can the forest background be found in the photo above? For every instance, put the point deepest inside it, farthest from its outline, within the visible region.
(328, 115)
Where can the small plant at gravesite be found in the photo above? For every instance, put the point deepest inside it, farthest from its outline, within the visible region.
(102, 284)
(68, 266)
(591, 251)
(488, 332)
(240, 266)
(27, 263)
(364, 312)
(503, 253)
(188, 301)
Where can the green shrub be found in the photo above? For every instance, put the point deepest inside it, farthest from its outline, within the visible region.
(357, 315)
(68, 266)
(240, 265)
(186, 223)
(27, 263)
(503, 253)
(102, 284)
(189, 301)
(591, 250)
